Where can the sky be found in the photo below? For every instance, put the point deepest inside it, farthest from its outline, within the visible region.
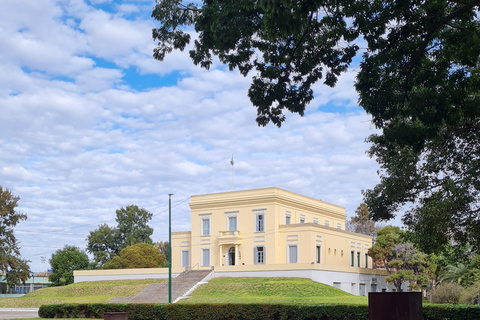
(90, 122)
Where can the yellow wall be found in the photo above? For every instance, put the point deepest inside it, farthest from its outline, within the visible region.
(276, 237)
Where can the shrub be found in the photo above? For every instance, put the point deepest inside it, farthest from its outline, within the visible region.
(447, 293)
(470, 293)
(256, 311)
(208, 311)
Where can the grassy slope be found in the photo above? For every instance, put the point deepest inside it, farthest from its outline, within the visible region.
(83, 292)
(219, 290)
(270, 290)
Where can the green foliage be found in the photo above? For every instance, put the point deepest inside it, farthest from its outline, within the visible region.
(387, 238)
(132, 227)
(162, 247)
(472, 273)
(291, 46)
(15, 269)
(64, 261)
(102, 243)
(208, 311)
(362, 223)
(140, 255)
(402, 260)
(246, 311)
(450, 312)
(446, 293)
(470, 293)
(418, 79)
(454, 273)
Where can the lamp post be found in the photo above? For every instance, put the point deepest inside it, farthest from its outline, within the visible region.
(170, 247)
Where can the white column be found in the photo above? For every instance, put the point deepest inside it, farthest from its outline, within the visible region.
(237, 255)
(221, 256)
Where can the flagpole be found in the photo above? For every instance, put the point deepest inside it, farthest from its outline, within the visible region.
(231, 162)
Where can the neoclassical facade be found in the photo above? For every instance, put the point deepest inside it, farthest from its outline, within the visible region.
(274, 232)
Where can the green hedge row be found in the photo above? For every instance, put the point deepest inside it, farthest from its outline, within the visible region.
(450, 312)
(244, 311)
(207, 311)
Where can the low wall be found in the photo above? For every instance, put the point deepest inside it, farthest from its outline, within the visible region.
(121, 274)
(357, 281)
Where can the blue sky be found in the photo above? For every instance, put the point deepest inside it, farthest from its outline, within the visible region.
(90, 122)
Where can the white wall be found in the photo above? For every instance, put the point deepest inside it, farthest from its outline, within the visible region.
(349, 282)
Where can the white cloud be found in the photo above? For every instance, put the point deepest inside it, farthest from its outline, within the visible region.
(77, 142)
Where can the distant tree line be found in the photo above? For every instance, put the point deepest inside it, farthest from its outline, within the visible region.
(127, 245)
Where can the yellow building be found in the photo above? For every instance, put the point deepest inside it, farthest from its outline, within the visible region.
(274, 232)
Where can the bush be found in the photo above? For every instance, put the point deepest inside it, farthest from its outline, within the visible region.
(207, 311)
(244, 311)
(470, 293)
(447, 293)
(450, 312)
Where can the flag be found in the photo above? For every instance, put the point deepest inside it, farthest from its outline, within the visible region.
(231, 161)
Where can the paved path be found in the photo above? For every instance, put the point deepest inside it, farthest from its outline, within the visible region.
(11, 313)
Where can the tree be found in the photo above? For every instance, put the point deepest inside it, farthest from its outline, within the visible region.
(15, 269)
(361, 223)
(401, 260)
(162, 247)
(418, 78)
(103, 244)
(140, 255)
(64, 262)
(132, 227)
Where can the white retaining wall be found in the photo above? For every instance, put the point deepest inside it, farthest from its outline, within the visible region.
(348, 282)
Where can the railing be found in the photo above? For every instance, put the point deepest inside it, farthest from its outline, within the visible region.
(191, 268)
(232, 233)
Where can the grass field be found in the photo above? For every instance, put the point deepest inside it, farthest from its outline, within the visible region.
(219, 290)
(83, 292)
(270, 290)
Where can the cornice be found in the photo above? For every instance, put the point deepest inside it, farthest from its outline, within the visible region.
(287, 227)
(264, 196)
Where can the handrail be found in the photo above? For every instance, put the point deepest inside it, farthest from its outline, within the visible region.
(191, 268)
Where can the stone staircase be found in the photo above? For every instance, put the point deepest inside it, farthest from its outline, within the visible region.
(158, 292)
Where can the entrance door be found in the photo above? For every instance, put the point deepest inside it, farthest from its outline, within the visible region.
(231, 256)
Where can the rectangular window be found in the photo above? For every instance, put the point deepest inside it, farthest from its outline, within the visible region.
(373, 288)
(318, 254)
(302, 218)
(232, 223)
(205, 227)
(292, 254)
(327, 223)
(337, 285)
(361, 289)
(366, 260)
(358, 259)
(339, 226)
(259, 255)
(205, 257)
(315, 220)
(352, 258)
(259, 223)
(185, 258)
(287, 218)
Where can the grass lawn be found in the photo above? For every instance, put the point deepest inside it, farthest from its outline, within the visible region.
(270, 290)
(83, 292)
(219, 290)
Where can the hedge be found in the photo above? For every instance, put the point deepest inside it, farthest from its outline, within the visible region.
(244, 311)
(207, 311)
